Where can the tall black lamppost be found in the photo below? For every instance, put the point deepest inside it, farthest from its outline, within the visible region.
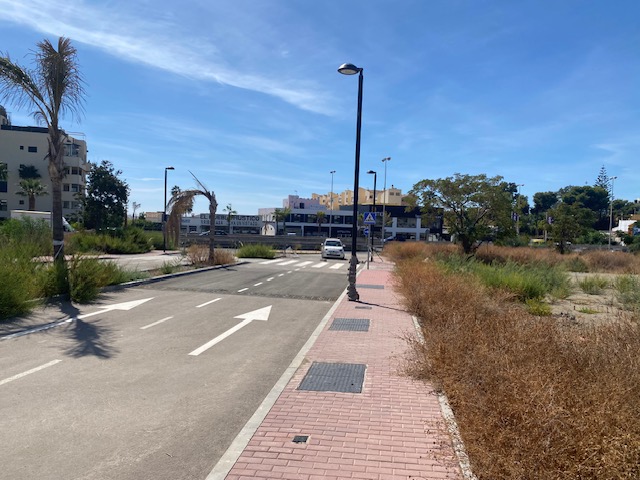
(164, 212)
(331, 203)
(350, 69)
(373, 227)
(385, 197)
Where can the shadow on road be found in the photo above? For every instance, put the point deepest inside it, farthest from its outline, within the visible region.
(90, 339)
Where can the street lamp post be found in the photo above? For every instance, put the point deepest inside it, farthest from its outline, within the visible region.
(164, 212)
(611, 212)
(384, 197)
(373, 227)
(331, 203)
(350, 69)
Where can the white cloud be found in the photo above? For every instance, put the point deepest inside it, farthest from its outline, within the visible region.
(157, 43)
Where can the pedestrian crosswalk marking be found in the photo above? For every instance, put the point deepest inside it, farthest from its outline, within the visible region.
(320, 265)
(336, 266)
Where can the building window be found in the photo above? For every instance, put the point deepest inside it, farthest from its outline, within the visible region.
(3, 205)
(3, 187)
(75, 187)
(21, 147)
(65, 204)
(33, 149)
(65, 187)
(21, 202)
(71, 149)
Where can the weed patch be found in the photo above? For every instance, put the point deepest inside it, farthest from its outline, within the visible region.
(256, 251)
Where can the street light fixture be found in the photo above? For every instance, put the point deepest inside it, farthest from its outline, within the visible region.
(331, 203)
(350, 69)
(373, 227)
(384, 197)
(164, 212)
(611, 212)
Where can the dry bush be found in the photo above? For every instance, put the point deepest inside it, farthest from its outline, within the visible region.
(400, 251)
(611, 262)
(534, 398)
(520, 255)
(198, 255)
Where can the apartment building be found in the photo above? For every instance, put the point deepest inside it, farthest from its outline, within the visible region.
(390, 196)
(28, 146)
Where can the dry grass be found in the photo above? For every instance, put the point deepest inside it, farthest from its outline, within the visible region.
(535, 398)
(198, 255)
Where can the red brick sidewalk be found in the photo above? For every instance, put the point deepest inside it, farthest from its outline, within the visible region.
(394, 429)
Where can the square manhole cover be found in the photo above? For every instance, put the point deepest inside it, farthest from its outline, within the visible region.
(334, 377)
(350, 324)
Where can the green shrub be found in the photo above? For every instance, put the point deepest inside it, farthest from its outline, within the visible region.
(593, 285)
(256, 251)
(121, 241)
(88, 275)
(19, 284)
(628, 291)
(27, 231)
(575, 264)
(536, 306)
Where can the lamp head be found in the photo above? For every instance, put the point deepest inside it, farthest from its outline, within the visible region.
(372, 172)
(386, 159)
(169, 168)
(349, 69)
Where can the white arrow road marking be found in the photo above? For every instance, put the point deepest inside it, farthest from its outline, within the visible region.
(28, 372)
(103, 309)
(260, 314)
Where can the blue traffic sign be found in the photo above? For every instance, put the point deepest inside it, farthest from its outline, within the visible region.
(370, 218)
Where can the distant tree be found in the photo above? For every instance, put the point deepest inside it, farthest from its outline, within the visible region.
(105, 201)
(320, 218)
(182, 202)
(595, 199)
(544, 201)
(230, 213)
(54, 87)
(175, 191)
(281, 215)
(566, 224)
(603, 180)
(134, 206)
(473, 205)
(32, 188)
(28, 171)
(4, 172)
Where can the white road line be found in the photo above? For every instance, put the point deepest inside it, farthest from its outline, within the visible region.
(207, 303)
(258, 284)
(155, 323)
(28, 372)
(320, 265)
(336, 266)
(281, 275)
(288, 263)
(219, 338)
(270, 278)
(271, 261)
(243, 290)
(290, 271)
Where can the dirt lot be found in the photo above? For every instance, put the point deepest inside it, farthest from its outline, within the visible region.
(580, 307)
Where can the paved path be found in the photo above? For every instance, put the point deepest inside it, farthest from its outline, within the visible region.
(394, 429)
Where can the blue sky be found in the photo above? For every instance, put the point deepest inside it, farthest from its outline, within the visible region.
(246, 93)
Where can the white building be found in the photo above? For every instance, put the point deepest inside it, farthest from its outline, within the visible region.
(28, 146)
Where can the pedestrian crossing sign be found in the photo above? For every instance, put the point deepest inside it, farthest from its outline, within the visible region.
(370, 218)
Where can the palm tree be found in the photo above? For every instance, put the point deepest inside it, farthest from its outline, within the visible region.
(281, 214)
(183, 201)
(54, 87)
(32, 188)
(320, 217)
(230, 212)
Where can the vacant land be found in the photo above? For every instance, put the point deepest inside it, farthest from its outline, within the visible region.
(548, 396)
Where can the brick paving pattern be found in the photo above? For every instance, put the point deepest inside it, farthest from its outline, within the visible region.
(394, 429)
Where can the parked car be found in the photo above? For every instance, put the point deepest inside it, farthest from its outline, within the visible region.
(216, 232)
(332, 248)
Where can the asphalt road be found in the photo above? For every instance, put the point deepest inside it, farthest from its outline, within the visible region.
(154, 382)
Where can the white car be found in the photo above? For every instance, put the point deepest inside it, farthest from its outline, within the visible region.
(333, 248)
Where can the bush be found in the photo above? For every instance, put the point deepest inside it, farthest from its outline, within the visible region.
(198, 255)
(256, 251)
(88, 275)
(628, 292)
(593, 285)
(27, 231)
(533, 399)
(19, 282)
(121, 241)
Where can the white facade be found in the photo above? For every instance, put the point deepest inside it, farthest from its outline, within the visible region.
(28, 146)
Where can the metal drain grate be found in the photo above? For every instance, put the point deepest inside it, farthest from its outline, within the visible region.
(377, 287)
(351, 324)
(334, 377)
